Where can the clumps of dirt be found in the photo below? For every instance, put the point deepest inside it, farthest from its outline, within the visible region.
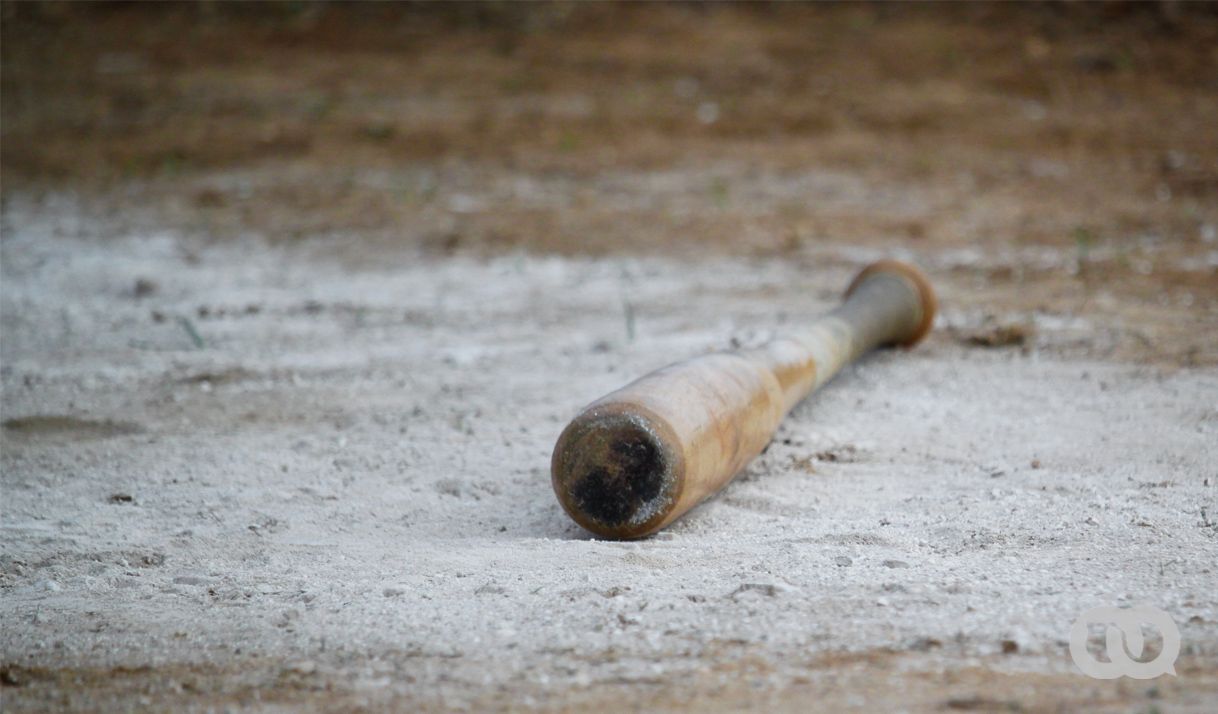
(57, 426)
(143, 287)
(978, 703)
(842, 453)
(845, 453)
(995, 334)
(804, 464)
(217, 377)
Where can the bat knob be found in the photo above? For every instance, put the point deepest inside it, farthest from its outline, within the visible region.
(928, 304)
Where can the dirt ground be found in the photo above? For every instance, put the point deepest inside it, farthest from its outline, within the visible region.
(296, 298)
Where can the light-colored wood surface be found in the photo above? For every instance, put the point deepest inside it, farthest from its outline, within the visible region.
(637, 459)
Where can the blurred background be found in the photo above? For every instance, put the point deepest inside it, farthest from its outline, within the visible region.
(761, 129)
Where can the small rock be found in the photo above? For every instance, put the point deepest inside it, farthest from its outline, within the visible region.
(843, 561)
(121, 498)
(925, 644)
(766, 589)
(152, 560)
(393, 592)
(895, 564)
(998, 335)
(287, 617)
(490, 588)
(844, 453)
(144, 287)
(1010, 646)
(449, 487)
(9, 677)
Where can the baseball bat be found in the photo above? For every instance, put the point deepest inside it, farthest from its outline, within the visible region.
(637, 459)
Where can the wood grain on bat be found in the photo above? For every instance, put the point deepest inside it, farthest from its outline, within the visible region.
(637, 459)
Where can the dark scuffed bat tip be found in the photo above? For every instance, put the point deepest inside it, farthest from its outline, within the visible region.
(614, 474)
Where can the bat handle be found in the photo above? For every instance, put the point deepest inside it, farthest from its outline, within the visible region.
(888, 303)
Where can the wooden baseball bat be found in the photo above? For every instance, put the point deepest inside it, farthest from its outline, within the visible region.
(637, 459)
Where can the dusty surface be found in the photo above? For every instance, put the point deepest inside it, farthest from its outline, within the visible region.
(344, 488)
(294, 305)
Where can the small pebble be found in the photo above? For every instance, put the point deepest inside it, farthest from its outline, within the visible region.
(144, 287)
(925, 644)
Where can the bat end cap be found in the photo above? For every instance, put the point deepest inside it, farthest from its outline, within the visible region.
(614, 473)
(921, 284)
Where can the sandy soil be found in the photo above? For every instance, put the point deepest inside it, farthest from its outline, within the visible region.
(294, 305)
(343, 488)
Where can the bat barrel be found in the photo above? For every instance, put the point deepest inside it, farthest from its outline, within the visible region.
(640, 457)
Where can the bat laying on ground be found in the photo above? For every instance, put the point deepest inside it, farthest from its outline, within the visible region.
(637, 459)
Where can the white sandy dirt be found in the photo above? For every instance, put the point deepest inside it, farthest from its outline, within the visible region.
(238, 474)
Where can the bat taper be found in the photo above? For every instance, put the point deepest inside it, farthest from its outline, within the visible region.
(637, 459)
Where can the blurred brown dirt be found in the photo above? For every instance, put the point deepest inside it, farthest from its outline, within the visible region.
(885, 680)
(992, 129)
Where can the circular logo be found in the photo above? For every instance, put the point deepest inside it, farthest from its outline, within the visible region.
(1123, 642)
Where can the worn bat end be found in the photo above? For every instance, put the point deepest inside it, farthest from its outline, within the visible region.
(616, 472)
(918, 281)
